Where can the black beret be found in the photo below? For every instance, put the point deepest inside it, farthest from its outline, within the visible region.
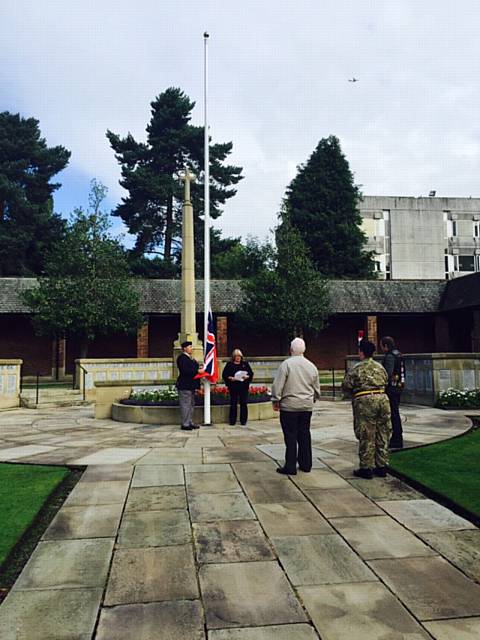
(187, 343)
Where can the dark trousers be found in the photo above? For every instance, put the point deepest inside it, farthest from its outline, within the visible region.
(296, 433)
(237, 395)
(397, 431)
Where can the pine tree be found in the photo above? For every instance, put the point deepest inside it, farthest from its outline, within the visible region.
(28, 226)
(152, 209)
(323, 205)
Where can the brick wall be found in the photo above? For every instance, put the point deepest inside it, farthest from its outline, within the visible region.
(18, 340)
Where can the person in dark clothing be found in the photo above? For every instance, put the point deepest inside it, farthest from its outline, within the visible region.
(392, 363)
(187, 385)
(238, 375)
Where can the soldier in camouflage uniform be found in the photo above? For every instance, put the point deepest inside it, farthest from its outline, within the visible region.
(371, 412)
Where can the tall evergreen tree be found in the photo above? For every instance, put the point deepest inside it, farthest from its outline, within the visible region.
(152, 209)
(28, 225)
(323, 205)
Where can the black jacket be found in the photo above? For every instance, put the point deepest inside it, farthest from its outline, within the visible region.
(391, 363)
(231, 369)
(188, 368)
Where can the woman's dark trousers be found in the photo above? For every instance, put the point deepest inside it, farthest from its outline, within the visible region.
(296, 432)
(397, 431)
(237, 395)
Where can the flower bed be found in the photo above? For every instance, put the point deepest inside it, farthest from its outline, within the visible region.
(169, 397)
(457, 399)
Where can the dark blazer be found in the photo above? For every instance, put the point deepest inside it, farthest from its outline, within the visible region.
(188, 368)
(231, 369)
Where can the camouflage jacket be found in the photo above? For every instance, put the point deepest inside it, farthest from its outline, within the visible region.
(365, 376)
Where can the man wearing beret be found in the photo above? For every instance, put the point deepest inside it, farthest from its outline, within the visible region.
(187, 385)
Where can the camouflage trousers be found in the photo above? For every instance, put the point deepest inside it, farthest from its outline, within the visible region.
(372, 427)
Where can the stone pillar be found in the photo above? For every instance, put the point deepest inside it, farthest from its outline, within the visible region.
(372, 330)
(142, 341)
(222, 336)
(442, 335)
(476, 332)
(58, 358)
(188, 329)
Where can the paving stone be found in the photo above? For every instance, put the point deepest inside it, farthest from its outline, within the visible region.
(424, 515)
(232, 541)
(113, 455)
(291, 518)
(96, 493)
(206, 468)
(152, 575)
(247, 594)
(215, 482)
(210, 442)
(14, 453)
(380, 537)
(460, 547)
(320, 559)
(180, 620)
(366, 611)
(69, 614)
(154, 529)
(171, 456)
(320, 479)
(334, 503)
(208, 507)
(156, 499)
(233, 454)
(263, 485)
(282, 632)
(97, 473)
(156, 476)
(64, 564)
(85, 522)
(388, 488)
(462, 629)
(430, 587)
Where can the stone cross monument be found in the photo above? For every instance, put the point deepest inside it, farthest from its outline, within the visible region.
(188, 329)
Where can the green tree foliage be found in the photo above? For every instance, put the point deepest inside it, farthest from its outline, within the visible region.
(232, 259)
(87, 290)
(288, 295)
(152, 209)
(323, 205)
(28, 225)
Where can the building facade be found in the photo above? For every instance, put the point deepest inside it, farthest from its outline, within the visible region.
(422, 238)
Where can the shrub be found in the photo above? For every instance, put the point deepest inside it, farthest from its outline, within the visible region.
(455, 398)
(169, 397)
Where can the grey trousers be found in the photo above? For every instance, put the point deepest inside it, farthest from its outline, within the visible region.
(186, 399)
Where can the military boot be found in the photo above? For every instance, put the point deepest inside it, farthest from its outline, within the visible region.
(366, 474)
(380, 472)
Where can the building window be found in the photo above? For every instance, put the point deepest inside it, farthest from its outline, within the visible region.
(476, 229)
(451, 228)
(466, 263)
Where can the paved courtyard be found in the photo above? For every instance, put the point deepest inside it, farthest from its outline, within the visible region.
(192, 535)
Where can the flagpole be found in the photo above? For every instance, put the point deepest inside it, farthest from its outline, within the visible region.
(206, 277)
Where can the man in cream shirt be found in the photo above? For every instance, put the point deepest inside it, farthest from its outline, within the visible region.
(294, 391)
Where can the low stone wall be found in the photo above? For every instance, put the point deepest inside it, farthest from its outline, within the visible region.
(171, 415)
(10, 373)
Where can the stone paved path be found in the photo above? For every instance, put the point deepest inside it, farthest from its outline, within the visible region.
(193, 536)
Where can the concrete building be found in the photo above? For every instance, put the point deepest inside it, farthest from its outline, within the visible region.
(423, 238)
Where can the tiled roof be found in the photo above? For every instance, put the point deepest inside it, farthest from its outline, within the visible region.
(346, 296)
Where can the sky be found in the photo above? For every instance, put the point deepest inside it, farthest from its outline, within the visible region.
(278, 82)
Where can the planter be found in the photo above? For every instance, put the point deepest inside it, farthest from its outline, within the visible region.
(143, 414)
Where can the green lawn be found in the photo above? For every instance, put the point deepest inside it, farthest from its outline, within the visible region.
(23, 490)
(450, 468)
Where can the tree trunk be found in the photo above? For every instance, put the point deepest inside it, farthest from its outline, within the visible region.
(167, 254)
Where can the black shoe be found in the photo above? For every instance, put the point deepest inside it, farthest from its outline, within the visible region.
(305, 470)
(195, 426)
(380, 472)
(232, 424)
(395, 445)
(244, 424)
(189, 428)
(366, 474)
(285, 472)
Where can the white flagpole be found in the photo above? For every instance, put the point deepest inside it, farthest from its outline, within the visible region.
(206, 260)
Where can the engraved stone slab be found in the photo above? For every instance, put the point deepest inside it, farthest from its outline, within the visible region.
(430, 587)
(291, 518)
(178, 620)
(380, 537)
(208, 507)
(152, 575)
(334, 503)
(232, 541)
(156, 499)
(424, 515)
(366, 610)
(154, 529)
(320, 559)
(247, 594)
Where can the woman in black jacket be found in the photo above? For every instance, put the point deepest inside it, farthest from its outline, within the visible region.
(238, 375)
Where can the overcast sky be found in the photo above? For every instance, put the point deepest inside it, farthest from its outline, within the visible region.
(278, 84)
